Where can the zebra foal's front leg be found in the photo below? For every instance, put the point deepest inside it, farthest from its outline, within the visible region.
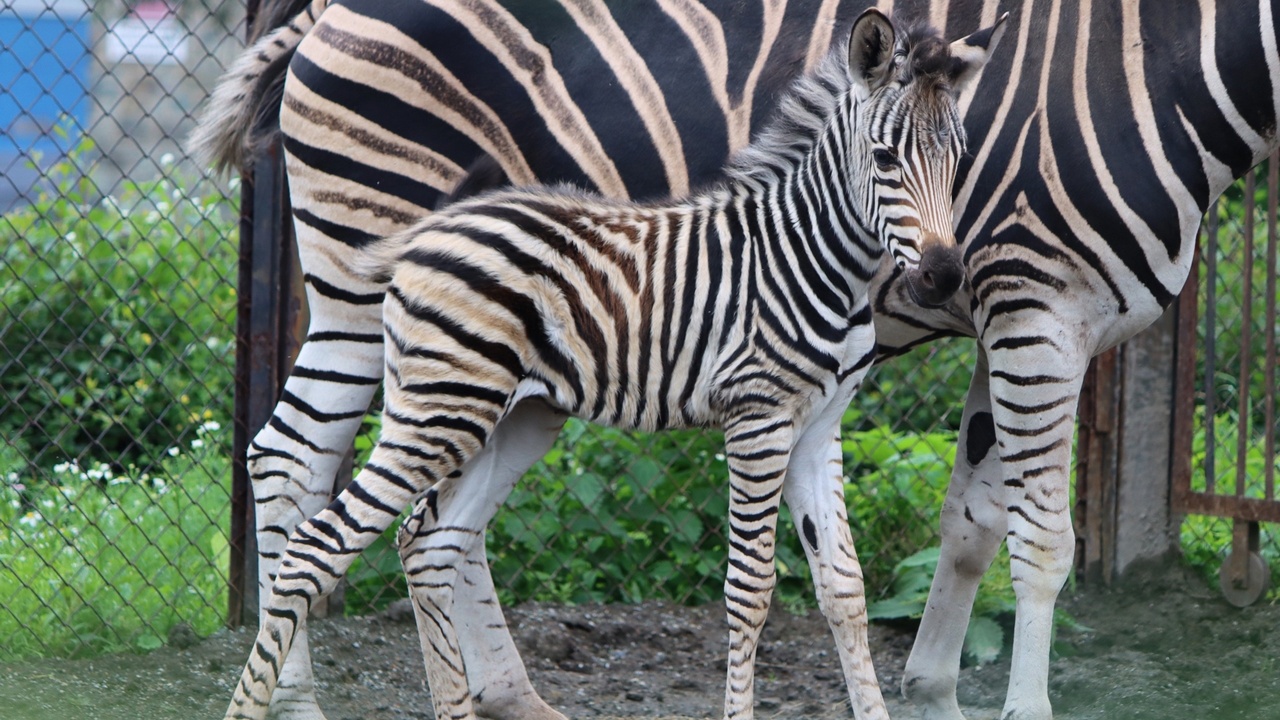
(757, 447)
(814, 492)
(496, 682)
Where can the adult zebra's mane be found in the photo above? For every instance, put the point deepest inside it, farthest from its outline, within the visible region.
(921, 56)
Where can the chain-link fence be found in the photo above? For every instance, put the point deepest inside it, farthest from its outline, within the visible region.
(117, 305)
(118, 325)
(118, 288)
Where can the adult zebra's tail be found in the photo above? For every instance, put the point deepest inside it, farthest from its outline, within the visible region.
(242, 114)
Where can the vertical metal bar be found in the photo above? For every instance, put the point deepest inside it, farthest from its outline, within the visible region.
(269, 305)
(1088, 493)
(1108, 401)
(1246, 339)
(1185, 382)
(1210, 357)
(241, 503)
(1269, 422)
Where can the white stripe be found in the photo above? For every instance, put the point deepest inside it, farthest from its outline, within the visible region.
(598, 24)
(1213, 79)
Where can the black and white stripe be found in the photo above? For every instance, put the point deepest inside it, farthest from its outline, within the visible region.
(742, 307)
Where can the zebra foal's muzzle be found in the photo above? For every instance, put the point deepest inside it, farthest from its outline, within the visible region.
(938, 276)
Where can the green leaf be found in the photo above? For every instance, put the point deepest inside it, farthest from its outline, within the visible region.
(983, 641)
(148, 642)
(587, 488)
(896, 608)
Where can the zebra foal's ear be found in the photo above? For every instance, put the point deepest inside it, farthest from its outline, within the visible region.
(871, 49)
(970, 53)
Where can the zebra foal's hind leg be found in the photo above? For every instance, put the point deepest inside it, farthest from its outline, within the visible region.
(424, 438)
(495, 681)
(317, 555)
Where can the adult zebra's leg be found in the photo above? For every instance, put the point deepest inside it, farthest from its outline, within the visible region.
(1036, 375)
(814, 492)
(973, 524)
(293, 460)
(495, 676)
(758, 448)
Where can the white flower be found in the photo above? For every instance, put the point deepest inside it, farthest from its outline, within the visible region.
(31, 519)
(211, 426)
(166, 159)
(173, 452)
(197, 444)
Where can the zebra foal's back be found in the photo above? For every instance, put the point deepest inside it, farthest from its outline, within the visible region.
(744, 306)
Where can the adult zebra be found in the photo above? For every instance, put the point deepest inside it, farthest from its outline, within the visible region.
(1097, 142)
(742, 306)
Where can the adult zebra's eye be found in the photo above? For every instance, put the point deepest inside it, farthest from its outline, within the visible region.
(886, 159)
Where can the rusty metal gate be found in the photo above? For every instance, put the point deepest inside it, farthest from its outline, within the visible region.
(1224, 424)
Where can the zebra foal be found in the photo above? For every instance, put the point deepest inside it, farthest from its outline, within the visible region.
(743, 307)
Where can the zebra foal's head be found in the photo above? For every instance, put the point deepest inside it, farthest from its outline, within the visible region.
(909, 139)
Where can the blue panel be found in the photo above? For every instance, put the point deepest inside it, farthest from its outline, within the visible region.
(44, 82)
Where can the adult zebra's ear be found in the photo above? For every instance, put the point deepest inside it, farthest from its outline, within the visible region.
(970, 53)
(871, 49)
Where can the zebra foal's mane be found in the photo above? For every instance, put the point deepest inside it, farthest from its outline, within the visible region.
(922, 55)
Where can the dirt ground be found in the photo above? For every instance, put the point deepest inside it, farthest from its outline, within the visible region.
(1165, 646)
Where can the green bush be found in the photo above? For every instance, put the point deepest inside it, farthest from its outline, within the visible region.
(93, 560)
(116, 316)
(612, 516)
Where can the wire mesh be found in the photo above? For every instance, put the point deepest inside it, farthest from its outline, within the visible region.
(1233, 447)
(116, 336)
(117, 301)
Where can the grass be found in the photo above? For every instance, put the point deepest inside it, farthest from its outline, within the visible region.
(93, 561)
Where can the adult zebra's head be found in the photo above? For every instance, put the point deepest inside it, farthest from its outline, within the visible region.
(908, 142)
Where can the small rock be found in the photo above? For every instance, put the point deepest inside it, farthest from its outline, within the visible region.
(181, 636)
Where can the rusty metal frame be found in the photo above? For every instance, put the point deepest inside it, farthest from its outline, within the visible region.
(1246, 510)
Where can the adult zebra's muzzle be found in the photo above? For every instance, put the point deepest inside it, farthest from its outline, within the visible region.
(938, 276)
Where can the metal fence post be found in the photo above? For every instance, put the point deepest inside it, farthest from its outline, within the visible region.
(271, 318)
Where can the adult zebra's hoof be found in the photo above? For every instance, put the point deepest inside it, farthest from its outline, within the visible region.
(1039, 710)
(936, 699)
(285, 708)
(524, 706)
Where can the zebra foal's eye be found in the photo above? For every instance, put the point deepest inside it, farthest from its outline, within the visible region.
(886, 159)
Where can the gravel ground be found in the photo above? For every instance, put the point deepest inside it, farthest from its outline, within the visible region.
(1166, 646)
